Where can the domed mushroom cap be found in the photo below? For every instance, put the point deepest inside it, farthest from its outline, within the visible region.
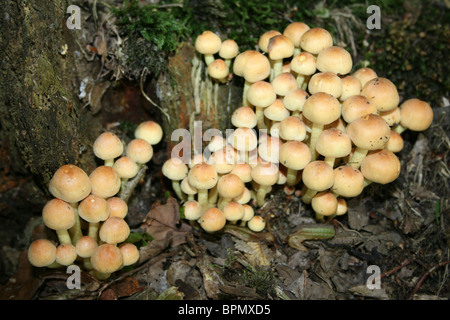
(130, 254)
(107, 146)
(218, 69)
(261, 94)
(334, 59)
(175, 169)
(382, 93)
(295, 155)
(58, 215)
(381, 166)
(318, 175)
(105, 182)
(364, 75)
(243, 117)
(229, 49)
(295, 100)
(334, 143)
(294, 31)
(324, 203)
(248, 212)
(269, 149)
(126, 167)
(322, 108)
(257, 67)
(263, 42)
(86, 246)
(241, 60)
(150, 131)
(416, 115)
(280, 47)
(355, 107)
(224, 160)
(395, 142)
(117, 207)
(303, 63)
(256, 224)
(187, 188)
(66, 254)
(139, 150)
(276, 111)
(293, 128)
(94, 209)
(114, 230)
(230, 186)
(208, 43)
(327, 82)
(107, 258)
(41, 253)
(351, 86)
(392, 117)
(70, 183)
(369, 132)
(212, 220)
(315, 40)
(243, 139)
(348, 181)
(243, 171)
(265, 173)
(284, 83)
(202, 176)
(233, 211)
(192, 210)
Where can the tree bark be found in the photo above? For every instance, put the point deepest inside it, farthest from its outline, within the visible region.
(43, 124)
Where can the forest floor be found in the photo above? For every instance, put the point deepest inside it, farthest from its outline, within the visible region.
(403, 228)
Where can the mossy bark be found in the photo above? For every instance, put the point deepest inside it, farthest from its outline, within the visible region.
(188, 94)
(43, 124)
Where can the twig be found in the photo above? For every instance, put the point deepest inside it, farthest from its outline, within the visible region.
(388, 273)
(422, 279)
(125, 194)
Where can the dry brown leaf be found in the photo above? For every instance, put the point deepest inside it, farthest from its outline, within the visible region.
(254, 252)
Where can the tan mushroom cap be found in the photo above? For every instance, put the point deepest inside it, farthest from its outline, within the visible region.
(276, 111)
(333, 143)
(139, 150)
(41, 253)
(126, 167)
(208, 43)
(294, 31)
(351, 86)
(364, 75)
(218, 69)
(295, 100)
(245, 197)
(212, 220)
(70, 183)
(243, 139)
(192, 210)
(130, 254)
(348, 181)
(107, 258)
(322, 108)
(261, 94)
(257, 67)
(327, 82)
(66, 254)
(202, 176)
(381, 166)
(223, 160)
(382, 93)
(416, 115)
(175, 169)
(86, 246)
(107, 146)
(395, 142)
(114, 230)
(217, 142)
(292, 128)
(369, 132)
(318, 175)
(269, 150)
(233, 211)
(280, 47)
(342, 207)
(355, 107)
(324, 203)
(230, 186)
(284, 83)
(244, 117)
(94, 209)
(117, 207)
(248, 212)
(187, 188)
(229, 49)
(315, 40)
(392, 117)
(304, 63)
(105, 182)
(265, 173)
(295, 155)
(263, 42)
(243, 171)
(334, 59)
(150, 131)
(241, 60)
(58, 215)
(256, 224)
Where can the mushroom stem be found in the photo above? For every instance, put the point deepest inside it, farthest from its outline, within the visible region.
(247, 85)
(100, 275)
(330, 161)
(307, 195)
(75, 231)
(277, 68)
(316, 130)
(291, 176)
(109, 162)
(366, 182)
(93, 230)
(177, 189)
(357, 157)
(400, 129)
(261, 195)
(223, 202)
(208, 58)
(64, 237)
(203, 198)
(259, 112)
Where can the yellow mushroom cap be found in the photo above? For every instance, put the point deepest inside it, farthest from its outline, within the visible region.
(130, 254)
(114, 230)
(150, 131)
(280, 47)
(218, 69)
(364, 75)
(294, 100)
(107, 146)
(117, 207)
(256, 224)
(70, 183)
(334, 59)
(86, 246)
(263, 42)
(395, 142)
(369, 132)
(355, 107)
(126, 167)
(139, 150)
(233, 211)
(94, 209)
(107, 258)
(58, 215)
(243, 117)
(381, 166)
(261, 94)
(334, 143)
(416, 115)
(105, 182)
(326, 82)
(243, 171)
(322, 108)
(324, 203)
(175, 169)
(248, 212)
(208, 43)
(276, 111)
(351, 86)
(192, 210)
(315, 40)
(212, 220)
(66, 254)
(230, 186)
(342, 207)
(229, 49)
(294, 31)
(243, 139)
(295, 155)
(265, 173)
(284, 83)
(41, 253)
(292, 128)
(202, 176)
(382, 93)
(303, 63)
(257, 67)
(348, 181)
(318, 176)
(269, 150)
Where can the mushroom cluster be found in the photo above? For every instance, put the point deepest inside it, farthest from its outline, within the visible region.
(307, 121)
(87, 213)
